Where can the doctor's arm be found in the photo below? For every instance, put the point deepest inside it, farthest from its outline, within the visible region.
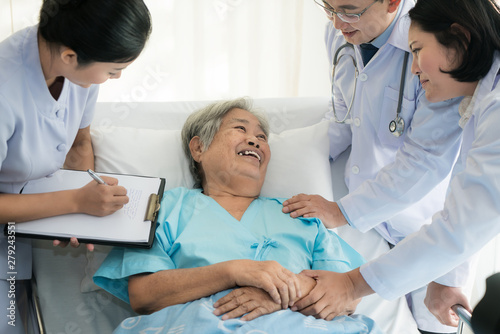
(424, 161)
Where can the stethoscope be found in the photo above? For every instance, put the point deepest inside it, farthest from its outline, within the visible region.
(397, 125)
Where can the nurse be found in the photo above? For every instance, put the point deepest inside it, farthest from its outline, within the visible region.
(49, 76)
(402, 148)
(456, 48)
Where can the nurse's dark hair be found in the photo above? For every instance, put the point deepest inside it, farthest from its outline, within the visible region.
(113, 31)
(475, 50)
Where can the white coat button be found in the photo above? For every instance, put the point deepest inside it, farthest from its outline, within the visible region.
(355, 169)
(61, 147)
(363, 77)
(357, 121)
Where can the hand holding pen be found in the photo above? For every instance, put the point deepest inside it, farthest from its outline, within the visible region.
(102, 197)
(98, 199)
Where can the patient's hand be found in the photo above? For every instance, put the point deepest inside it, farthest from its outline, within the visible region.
(251, 302)
(280, 283)
(315, 206)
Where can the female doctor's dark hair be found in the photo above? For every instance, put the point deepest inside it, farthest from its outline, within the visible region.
(113, 31)
(480, 18)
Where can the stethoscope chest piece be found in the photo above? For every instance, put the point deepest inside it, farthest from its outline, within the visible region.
(397, 126)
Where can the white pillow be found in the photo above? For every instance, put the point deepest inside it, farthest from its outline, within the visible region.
(299, 158)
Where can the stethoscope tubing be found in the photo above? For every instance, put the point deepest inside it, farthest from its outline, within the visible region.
(398, 120)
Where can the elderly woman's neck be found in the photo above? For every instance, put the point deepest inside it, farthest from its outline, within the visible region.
(235, 202)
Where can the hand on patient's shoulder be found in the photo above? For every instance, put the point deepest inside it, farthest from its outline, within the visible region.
(307, 206)
(101, 199)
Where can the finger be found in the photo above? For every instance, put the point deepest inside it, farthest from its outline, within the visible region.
(451, 319)
(90, 247)
(59, 243)
(284, 291)
(120, 200)
(254, 314)
(291, 207)
(331, 316)
(226, 306)
(272, 291)
(74, 242)
(302, 212)
(111, 181)
(310, 273)
(239, 311)
(226, 299)
(304, 305)
(119, 191)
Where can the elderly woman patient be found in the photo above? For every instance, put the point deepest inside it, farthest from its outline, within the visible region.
(225, 259)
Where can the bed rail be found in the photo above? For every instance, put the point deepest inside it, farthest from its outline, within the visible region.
(464, 324)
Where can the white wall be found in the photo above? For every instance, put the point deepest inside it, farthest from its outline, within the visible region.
(209, 49)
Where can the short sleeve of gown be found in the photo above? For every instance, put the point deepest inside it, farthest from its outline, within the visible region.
(121, 263)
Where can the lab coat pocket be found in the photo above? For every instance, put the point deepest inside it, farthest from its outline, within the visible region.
(388, 113)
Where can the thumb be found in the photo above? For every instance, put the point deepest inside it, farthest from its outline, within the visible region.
(310, 273)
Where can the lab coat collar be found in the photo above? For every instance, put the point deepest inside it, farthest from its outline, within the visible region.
(484, 87)
(486, 84)
(399, 36)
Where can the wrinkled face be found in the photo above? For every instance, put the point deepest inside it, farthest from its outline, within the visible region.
(238, 150)
(95, 73)
(372, 23)
(429, 58)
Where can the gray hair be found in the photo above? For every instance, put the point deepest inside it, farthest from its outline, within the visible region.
(206, 122)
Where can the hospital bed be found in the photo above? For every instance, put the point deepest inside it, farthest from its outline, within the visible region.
(144, 138)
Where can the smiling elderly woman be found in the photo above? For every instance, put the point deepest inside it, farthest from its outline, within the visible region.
(222, 235)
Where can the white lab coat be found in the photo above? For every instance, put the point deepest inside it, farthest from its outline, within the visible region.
(471, 214)
(408, 175)
(395, 184)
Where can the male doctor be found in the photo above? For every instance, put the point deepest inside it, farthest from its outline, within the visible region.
(402, 147)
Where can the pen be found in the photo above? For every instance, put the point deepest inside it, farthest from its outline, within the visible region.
(96, 177)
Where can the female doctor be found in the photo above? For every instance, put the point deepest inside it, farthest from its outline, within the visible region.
(49, 76)
(456, 48)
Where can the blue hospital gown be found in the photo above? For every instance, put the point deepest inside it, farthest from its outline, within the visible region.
(194, 230)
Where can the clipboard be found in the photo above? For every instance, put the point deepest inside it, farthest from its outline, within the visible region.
(132, 226)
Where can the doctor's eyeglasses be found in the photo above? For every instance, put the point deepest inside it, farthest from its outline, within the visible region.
(346, 17)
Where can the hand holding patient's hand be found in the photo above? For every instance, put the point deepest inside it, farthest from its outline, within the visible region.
(280, 283)
(332, 296)
(315, 206)
(251, 302)
(99, 199)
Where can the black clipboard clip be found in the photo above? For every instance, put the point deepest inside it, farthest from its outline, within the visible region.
(153, 208)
